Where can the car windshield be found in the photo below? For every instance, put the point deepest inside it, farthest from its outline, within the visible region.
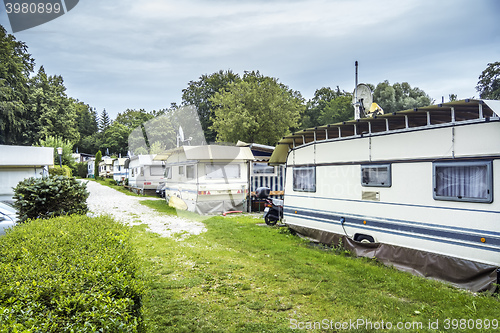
(7, 209)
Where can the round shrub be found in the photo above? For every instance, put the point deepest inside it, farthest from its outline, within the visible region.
(58, 171)
(50, 196)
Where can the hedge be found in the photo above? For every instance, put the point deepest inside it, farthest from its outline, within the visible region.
(70, 274)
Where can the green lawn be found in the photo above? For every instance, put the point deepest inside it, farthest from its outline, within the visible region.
(242, 277)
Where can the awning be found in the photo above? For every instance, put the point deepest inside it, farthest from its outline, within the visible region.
(428, 116)
(210, 152)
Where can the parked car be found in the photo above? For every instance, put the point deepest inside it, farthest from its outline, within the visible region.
(8, 217)
(160, 190)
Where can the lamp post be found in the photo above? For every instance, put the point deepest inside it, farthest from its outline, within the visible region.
(59, 151)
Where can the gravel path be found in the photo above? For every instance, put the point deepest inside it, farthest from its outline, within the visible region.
(128, 210)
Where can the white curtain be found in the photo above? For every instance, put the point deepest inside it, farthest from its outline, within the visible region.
(222, 171)
(304, 179)
(462, 181)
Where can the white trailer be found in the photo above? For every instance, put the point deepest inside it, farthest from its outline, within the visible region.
(119, 170)
(20, 162)
(207, 179)
(143, 172)
(419, 185)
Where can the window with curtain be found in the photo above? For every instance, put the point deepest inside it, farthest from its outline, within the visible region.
(222, 171)
(156, 170)
(190, 172)
(376, 175)
(304, 179)
(168, 173)
(463, 181)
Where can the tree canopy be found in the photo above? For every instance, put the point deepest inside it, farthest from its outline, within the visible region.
(199, 93)
(399, 96)
(16, 65)
(322, 110)
(256, 109)
(488, 85)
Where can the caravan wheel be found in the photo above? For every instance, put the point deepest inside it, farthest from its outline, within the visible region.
(363, 238)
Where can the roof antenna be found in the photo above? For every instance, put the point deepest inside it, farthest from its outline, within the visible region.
(356, 105)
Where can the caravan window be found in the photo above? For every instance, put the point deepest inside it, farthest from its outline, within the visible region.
(156, 170)
(463, 181)
(376, 175)
(304, 179)
(260, 168)
(181, 170)
(168, 173)
(190, 169)
(222, 171)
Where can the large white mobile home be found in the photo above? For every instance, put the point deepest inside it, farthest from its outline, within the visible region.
(421, 185)
(144, 172)
(207, 179)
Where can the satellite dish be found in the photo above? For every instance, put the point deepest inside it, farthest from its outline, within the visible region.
(181, 139)
(362, 98)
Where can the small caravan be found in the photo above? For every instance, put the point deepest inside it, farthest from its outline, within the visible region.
(144, 172)
(119, 170)
(207, 179)
(418, 189)
(106, 167)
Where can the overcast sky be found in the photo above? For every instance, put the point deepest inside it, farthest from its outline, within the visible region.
(141, 54)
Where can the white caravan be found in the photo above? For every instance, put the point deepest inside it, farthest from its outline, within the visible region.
(144, 172)
(207, 179)
(421, 185)
(119, 170)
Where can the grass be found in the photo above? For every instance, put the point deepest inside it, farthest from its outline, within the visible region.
(241, 277)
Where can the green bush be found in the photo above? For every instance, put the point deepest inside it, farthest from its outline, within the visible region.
(70, 274)
(110, 181)
(50, 196)
(81, 169)
(58, 171)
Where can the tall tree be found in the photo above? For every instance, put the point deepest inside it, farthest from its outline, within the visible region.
(199, 93)
(133, 118)
(257, 109)
(16, 65)
(104, 121)
(116, 138)
(400, 96)
(488, 85)
(87, 126)
(98, 159)
(54, 113)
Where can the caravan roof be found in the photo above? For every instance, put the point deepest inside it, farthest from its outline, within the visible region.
(210, 152)
(433, 116)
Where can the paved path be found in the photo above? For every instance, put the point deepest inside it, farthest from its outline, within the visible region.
(128, 210)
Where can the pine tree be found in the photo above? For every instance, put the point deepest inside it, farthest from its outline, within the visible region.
(104, 121)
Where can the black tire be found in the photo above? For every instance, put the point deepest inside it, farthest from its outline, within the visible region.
(270, 220)
(364, 238)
